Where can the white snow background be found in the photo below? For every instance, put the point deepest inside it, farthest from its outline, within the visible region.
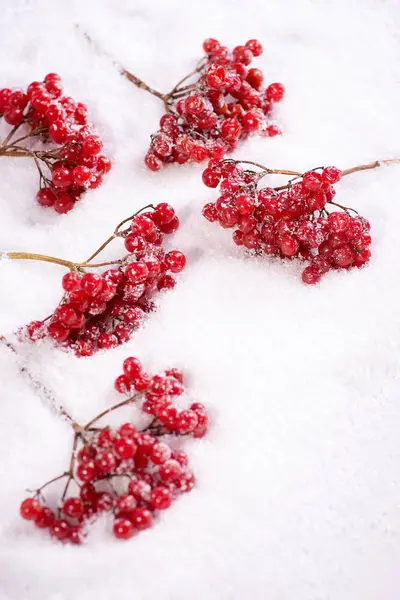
(298, 494)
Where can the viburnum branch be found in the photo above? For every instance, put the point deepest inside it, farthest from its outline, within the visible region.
(149, 474)
(102, 310)
(109, 410)
(291, 220)
(226, 102)
(71, 163)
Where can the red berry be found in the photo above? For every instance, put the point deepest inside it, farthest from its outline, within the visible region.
(123, 384)
(170, 227)
(211, 178)
(275, 92)
(73, 507)
(45, 518)
(289, 245)
(30, 509)
(242, 55)
(231, 129)
(63, 204)
(59, 131)
(339, 222)
(103, 164)
(216, 76)
(343, 256)
(123, 529)
(160, 452)
(250, 121)
(105, 462)
(86, 471)
(255, 47)
(310, 276)
(187, 421)
(58, 332)
(81, 175)
(175, 261)
(210, 45)
(91, 284)
(60, 530)
(52, 77)
(244, 204)
(331, 174)
(125, 447)
(46, 197)
(161, 498)
(91, 145)
(126, 503)
(170, 470)
(14, 116)
(132, 367)
(127, 430)
(62, 177)
(210, 212)
(164, 213)
(136, 272)
(255, 78)
(273, 130)
(141, 518)
(152, 161)
(5, 95)
(18, 100)
(312, 181)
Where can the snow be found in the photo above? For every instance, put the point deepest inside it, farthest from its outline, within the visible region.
(298, 494)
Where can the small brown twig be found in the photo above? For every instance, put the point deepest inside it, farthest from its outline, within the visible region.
(266, 171)
(178, 91)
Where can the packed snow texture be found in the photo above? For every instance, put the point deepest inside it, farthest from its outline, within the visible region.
(298, 494)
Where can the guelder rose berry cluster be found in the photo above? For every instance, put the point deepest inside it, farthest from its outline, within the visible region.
(228, 102)
(69, 160)
(100, 311)
(289, 221)
(130, 474)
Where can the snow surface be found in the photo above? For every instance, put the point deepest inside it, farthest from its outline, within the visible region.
(298, 494)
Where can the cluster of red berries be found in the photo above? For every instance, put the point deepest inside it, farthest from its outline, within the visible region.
(131, 474)
(102, 311)
(74, 157)
(159, 392)
(226, 104)
(289, 223)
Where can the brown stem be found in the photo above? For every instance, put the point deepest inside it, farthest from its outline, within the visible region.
(373, 165)
(111, 409)
(116, 234)
(37, 385)
(9, 136)
(40, 257)
(110, 239)
(345, 208)
(142, 85)
(132, 78)
(198, 69)
(117, 231)
(51, 481)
